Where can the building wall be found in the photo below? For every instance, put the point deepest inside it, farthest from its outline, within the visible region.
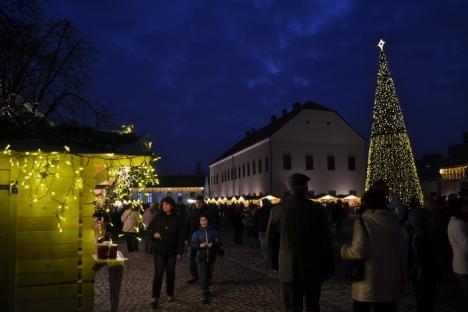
(248, 183)
(312, 132)
(179, 194)
(319, 134)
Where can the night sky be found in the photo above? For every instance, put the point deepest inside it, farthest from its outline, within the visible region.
(197, 75)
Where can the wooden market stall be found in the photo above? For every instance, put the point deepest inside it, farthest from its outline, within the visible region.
(47, 235)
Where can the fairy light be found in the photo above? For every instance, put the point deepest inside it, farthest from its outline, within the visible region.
(390, 155)
(39, 171)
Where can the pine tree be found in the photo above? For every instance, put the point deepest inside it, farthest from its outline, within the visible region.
(390, 156)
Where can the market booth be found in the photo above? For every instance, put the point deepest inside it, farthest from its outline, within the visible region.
(47, 203)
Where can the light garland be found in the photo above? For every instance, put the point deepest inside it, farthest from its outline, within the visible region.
(454, 173)
(390, 156)
(39, 172)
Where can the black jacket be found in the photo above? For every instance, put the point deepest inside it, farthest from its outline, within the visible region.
(299, 241)
(171, 230)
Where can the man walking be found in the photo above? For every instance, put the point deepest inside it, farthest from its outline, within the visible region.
(300, 247)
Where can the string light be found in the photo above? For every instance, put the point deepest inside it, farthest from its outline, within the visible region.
(39, 172)
(390, 155)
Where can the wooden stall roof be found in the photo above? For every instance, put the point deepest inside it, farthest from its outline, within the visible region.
(81, 140)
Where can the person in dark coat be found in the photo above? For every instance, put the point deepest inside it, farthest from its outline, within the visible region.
(167, 230)
(238, 223)
(422, 260)
(205, 242)
(192, 225)
(300, 247)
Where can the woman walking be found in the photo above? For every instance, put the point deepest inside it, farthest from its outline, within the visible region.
(206, 241)
(380, 244)
(168, 246)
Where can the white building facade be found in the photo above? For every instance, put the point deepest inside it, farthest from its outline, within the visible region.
(309, 139)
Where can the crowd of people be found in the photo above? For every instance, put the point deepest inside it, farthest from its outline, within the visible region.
(392, 244)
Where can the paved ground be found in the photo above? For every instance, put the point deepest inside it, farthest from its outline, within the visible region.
(241, 283)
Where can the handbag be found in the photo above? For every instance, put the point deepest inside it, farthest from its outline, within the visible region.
(355, 269)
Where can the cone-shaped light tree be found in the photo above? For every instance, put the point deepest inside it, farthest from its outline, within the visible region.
(390, 155)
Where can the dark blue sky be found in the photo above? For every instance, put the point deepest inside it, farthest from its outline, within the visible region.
(197, 75)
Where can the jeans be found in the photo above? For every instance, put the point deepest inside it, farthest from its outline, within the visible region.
(294, 295)
(463, 283)
(193, 263)
(263, 246)
(164, 264)
(374, 306)
(132, 242)
(205, 269)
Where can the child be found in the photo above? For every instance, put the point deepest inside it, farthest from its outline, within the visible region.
(206, 241)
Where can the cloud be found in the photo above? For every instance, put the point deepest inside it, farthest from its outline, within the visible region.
(199, 73)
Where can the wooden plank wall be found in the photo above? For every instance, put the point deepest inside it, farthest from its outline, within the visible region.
(53, 269)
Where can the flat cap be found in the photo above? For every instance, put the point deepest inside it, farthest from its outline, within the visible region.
(298, 179)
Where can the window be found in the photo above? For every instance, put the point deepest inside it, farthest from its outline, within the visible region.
(287, 162)
(239, 173)
(248, 169)
(229, 177)
(309, 162)
(267, 164)
(253, 168)
(331, 162)
(351, 163)
(259, 166)
(332, 192)
(243, 171)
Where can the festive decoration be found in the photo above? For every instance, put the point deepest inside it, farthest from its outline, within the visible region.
(454, 173)
(390, 155)
(39, 171)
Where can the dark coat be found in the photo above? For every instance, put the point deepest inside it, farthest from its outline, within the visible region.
(299, 241)
(171, 229)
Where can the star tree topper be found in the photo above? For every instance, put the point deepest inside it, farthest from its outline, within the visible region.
(381, 44)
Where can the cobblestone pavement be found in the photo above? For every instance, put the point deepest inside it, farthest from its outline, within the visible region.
(240, 283)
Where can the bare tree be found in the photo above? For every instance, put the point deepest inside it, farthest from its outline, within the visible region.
(44, 67)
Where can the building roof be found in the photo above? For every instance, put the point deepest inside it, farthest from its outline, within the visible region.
(186, 180)
(79, 139)
(267, 131)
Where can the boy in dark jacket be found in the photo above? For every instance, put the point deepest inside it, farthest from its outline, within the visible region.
(205, 242)
(167, 231)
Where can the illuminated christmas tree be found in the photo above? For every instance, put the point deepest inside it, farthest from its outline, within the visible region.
(390, 155)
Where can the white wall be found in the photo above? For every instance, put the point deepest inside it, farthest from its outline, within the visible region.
(314, 132)
(319, 133)
(253, 184)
